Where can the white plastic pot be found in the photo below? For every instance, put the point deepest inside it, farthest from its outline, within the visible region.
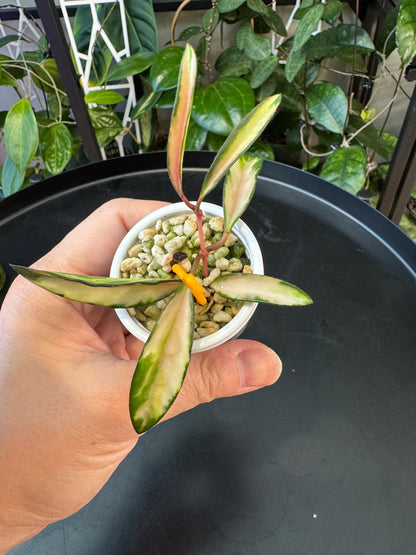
(231, 330)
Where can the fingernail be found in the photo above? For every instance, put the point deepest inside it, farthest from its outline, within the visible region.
(257, 367)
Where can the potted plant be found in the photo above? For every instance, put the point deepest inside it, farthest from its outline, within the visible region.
(166, 354)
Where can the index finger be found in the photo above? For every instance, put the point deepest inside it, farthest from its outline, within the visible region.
(89, 248)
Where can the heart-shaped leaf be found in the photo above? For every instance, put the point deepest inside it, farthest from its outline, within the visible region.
(239, 140)
(56, 147)
(180, 117)
(261, 289)
(103, 291)
(346, 167)
(163, 363)
(328, 105)
(228, 58)
(406, 31)
(106, 124)
(21, 135)
(239, 188)
(221, 106)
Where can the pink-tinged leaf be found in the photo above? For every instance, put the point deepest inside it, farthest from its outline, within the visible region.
(180, 117)
(239, 188)
(239, 140)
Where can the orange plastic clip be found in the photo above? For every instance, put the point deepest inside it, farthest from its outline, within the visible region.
(191, 281)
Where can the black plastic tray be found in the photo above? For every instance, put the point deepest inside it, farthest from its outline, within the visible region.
(323, 462)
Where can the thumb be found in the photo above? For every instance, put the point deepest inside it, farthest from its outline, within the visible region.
(233, 368)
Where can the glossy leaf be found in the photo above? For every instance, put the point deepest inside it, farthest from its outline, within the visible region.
(103, 291)
(239, 69)
(262, 289)
(164, 72)
(21, 135)
(146, 103)
(163, 362)
(56, 147)
(46, 76)
(106, 124)
(291, 97)
(11, 179)
(196, 137)
(6, 79)
(406, 31)
(239, 187)
(141, 29)
(180, 117)
(167, 99)
(307, 25)
(386, 37)
(262, 71)
(103, 97)
(239, 140)
(221, 106)
(346, 167)
(228, 58)
(370, 137)
(328, 105)
(261, 150)
(136, 63)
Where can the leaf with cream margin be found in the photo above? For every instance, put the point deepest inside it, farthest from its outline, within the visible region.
(239, 140)
(112, 292)
(163, 362)
(180, 117)
(239, 188)
(260, 289)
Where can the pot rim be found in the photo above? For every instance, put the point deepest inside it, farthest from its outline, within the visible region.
(233, 328)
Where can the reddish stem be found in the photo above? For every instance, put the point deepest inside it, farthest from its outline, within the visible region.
(203, 253)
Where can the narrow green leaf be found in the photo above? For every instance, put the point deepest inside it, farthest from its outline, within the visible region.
(103, 291)
(239, 188)
(210, 20)
(346, 167)
(189, 32)
(406, 31)
(6, 79)
(167, 99)
(163, 363)
(56, 147)
(8, 39)
(11, 179)
(370, 137)
(328, 105)
(295, 61)
(239, 140)
(274, 21)
(262, 71)
(103, 97)
(180, 117)
(21, 135)
(136, 63)
(164, 72)
(221, 106)
(261, 289)
(146, 103)
(307, 25)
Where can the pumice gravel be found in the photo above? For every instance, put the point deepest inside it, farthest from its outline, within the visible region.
(176, 241)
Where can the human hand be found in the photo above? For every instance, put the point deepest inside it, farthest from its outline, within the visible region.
(65, 373)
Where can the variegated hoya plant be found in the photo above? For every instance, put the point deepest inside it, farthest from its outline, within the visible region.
(166, 354)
